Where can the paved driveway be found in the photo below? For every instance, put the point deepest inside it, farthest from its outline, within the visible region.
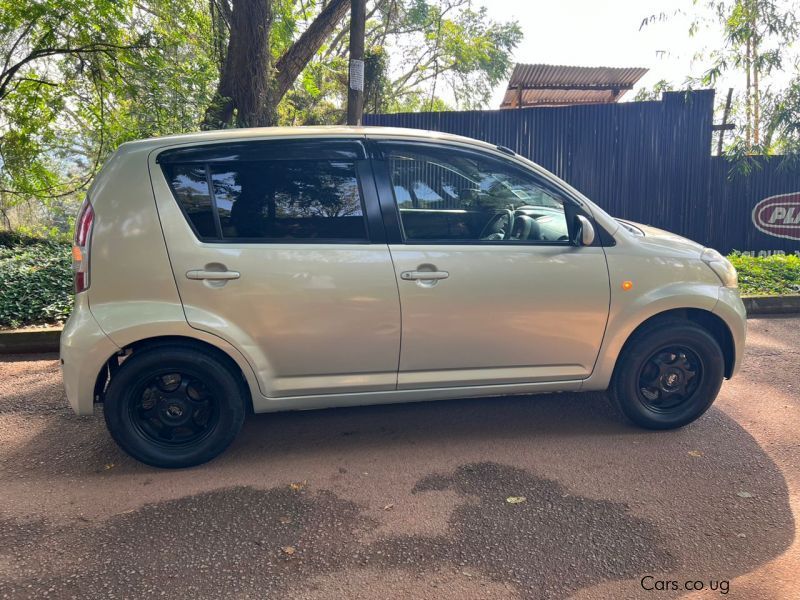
(411, 500)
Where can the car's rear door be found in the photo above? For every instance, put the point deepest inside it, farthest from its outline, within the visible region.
(277, 246)
(491, 288)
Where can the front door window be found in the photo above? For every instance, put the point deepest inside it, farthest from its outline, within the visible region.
(445, 196)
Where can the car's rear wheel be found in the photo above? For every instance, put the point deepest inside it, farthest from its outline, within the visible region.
(174, 406)
(668, 375)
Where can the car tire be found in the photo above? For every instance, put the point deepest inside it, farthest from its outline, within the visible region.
(174, 406)
(668, 375)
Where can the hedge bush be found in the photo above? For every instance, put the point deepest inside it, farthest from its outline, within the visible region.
(767, 276)
(35, 282)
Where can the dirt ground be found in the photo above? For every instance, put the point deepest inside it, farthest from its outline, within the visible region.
(411, 501)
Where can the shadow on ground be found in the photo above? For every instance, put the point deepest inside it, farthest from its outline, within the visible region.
(652, 503)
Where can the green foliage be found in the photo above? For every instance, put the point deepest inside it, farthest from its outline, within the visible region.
(35, 282)
(771, 275)
(420, 55)
(758, 40)
(782, 135)
(82, 76)
(654, 93)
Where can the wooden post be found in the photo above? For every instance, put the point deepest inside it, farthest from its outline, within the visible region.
(725, 114)
(355, 87)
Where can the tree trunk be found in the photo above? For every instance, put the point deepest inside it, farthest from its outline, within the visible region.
(249, 91)
(243, 92)
(756, 102)
(756, 92)
(748, 95)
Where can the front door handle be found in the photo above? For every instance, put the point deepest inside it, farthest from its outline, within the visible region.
(212, 275)
(424, 275)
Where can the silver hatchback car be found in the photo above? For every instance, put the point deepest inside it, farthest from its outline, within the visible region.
(287, 269)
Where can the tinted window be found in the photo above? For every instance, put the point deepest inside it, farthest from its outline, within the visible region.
(289, 199)
(271, 199)
(445, 194)
(189, 184)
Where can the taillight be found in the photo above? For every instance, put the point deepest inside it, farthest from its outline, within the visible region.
(80, 246)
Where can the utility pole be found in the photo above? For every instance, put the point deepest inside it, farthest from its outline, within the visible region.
(355, 88)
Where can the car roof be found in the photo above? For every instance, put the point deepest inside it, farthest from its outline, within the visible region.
(222, 135)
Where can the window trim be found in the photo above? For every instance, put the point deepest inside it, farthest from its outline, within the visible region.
(390, 206)
(367, 217)
(296, 148)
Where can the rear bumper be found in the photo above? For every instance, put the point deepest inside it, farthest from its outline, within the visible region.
(85, 348)
(730, 309)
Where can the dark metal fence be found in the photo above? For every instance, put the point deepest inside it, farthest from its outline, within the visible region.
(645, 161)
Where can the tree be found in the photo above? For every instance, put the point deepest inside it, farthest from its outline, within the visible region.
(40, 42)
(420, 55)
(249, 89)
(756, 37)
(782, 128)
(654, 93)
(79, 77)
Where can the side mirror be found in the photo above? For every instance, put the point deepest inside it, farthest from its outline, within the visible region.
(584, 231)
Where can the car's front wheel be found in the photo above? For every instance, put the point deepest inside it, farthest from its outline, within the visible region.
(174, 406)
(668, 375)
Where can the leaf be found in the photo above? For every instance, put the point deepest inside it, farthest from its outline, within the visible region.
(296, 486)
(388, 507)
(695, 453)
(516, 499)
(288, 550)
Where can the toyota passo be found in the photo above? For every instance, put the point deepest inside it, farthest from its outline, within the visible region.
(289, 269)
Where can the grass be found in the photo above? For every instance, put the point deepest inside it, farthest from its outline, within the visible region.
(767, 276)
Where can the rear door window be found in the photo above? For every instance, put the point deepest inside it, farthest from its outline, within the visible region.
(316, 199)
(269, 192)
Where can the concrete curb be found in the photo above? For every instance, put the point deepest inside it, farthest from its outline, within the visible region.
(19, 341)
(771, 305)
(23, 341)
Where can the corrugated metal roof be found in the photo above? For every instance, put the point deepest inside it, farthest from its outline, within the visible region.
(548, 85)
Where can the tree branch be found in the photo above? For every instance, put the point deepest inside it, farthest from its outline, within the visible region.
(298, 55)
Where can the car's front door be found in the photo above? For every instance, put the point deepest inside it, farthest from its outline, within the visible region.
(492, 290)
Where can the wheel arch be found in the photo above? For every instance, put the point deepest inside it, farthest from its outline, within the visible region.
(115, 361)
(706, 319)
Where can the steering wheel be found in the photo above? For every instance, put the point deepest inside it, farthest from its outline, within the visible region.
(491, 228)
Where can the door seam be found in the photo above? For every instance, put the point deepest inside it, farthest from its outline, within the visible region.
(400, 305)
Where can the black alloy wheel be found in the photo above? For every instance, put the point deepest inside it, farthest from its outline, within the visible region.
(175, 406)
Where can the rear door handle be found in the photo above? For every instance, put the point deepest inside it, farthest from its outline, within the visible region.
(424, 275)
(212, 275)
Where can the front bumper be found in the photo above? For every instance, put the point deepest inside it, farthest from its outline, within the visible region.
(85, 348)
(730, 309)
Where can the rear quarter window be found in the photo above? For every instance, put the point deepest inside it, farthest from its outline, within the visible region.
(190, 187)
